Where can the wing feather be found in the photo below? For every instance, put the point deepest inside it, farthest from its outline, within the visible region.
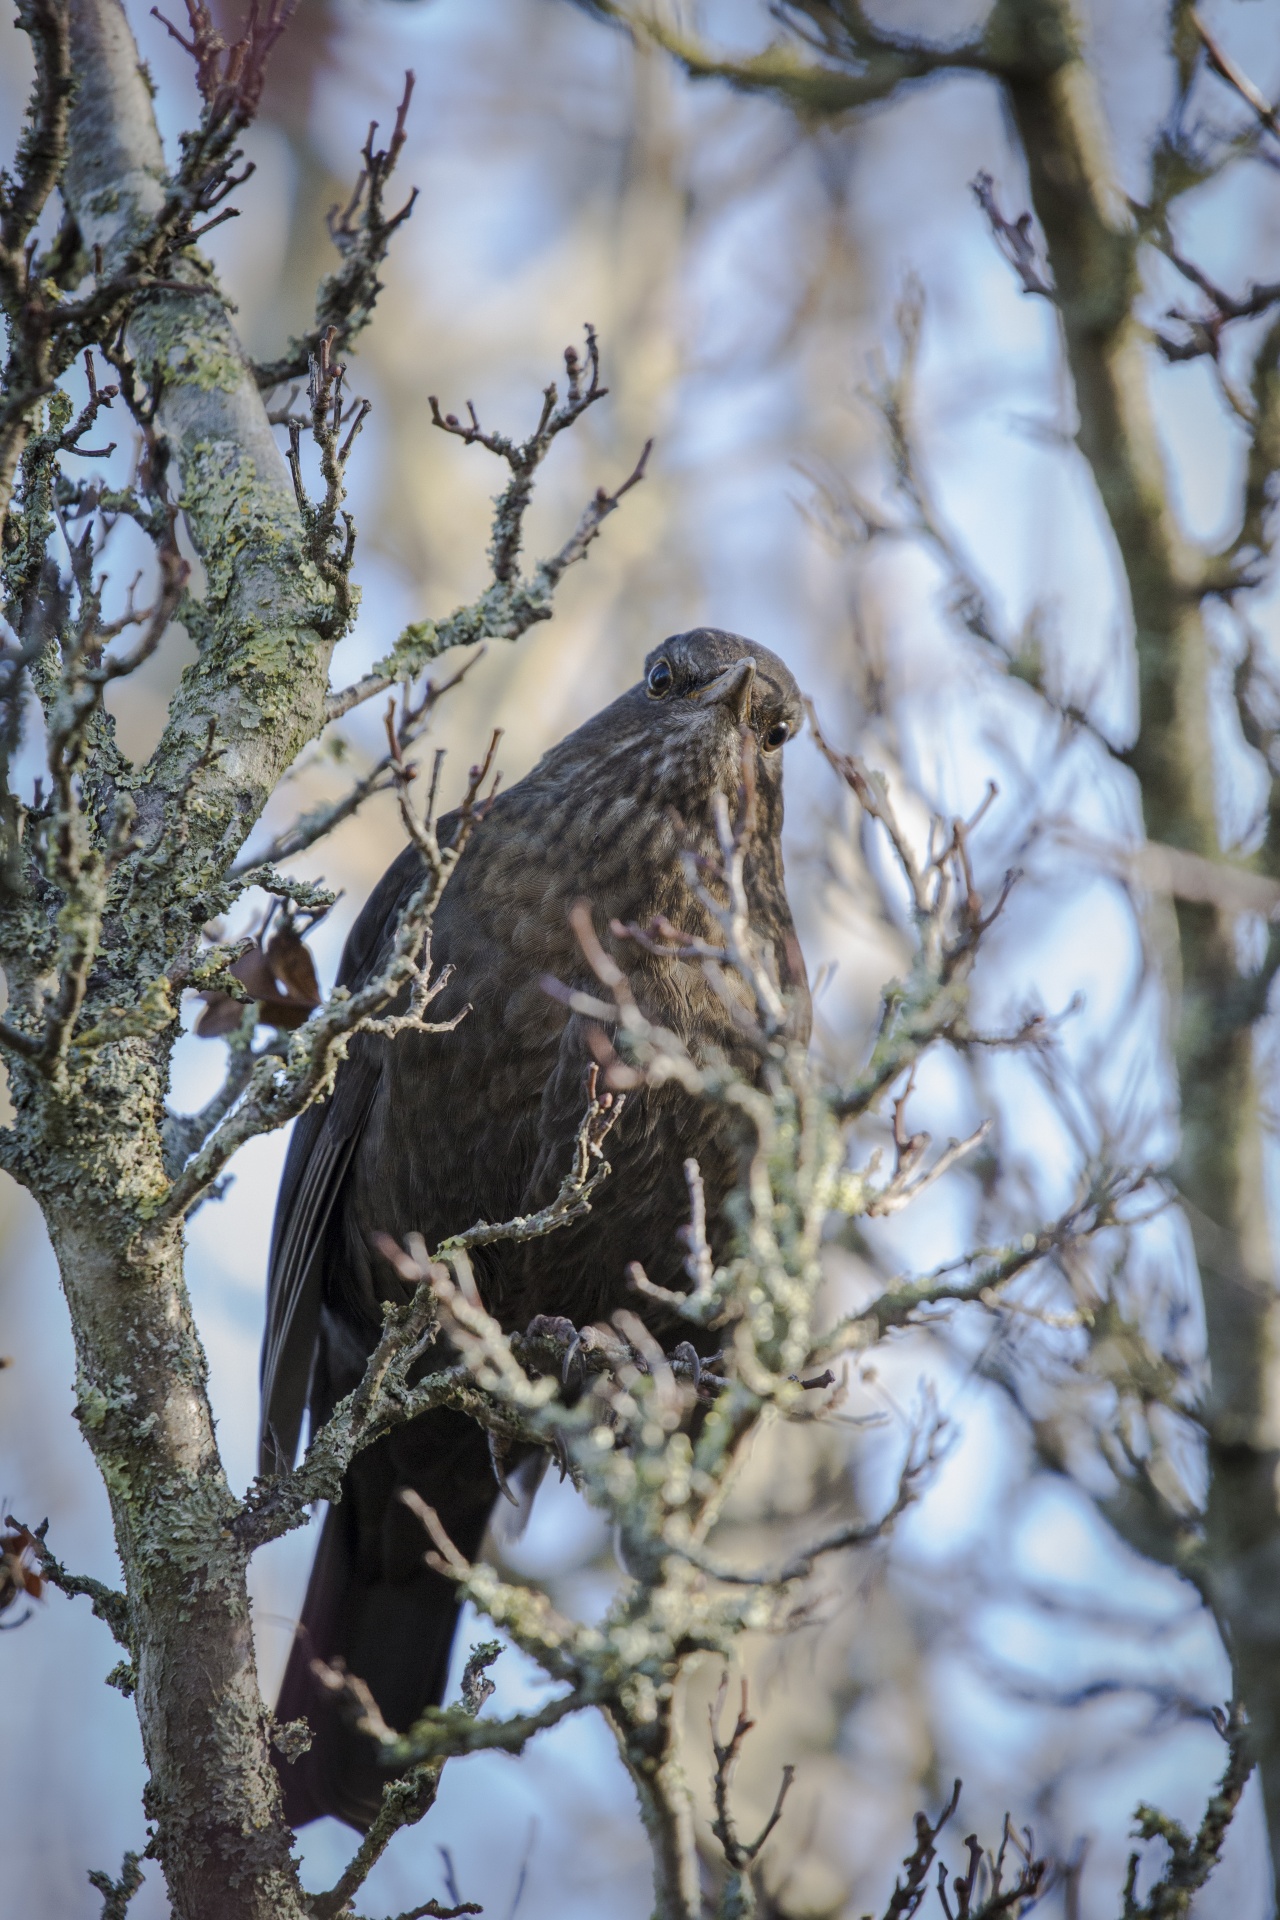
(320, 1153)
(323, 1145)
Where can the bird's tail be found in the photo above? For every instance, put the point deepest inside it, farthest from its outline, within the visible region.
(373, 1603)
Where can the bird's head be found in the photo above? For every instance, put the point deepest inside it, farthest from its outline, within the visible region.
(700, 689)
(666, 747)
(610, 812)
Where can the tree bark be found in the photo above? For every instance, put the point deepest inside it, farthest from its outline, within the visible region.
(213, 1794)
(263, 669)
(649, 1750)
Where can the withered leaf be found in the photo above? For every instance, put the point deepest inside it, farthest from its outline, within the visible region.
(222, 1014)
(253, 971)
(280, 976)
(19, 1566)
(291, 963)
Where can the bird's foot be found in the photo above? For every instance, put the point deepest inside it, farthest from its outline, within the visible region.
(550, 1326)
(555, 1330)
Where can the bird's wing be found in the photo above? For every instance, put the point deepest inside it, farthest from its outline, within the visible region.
(320, 1153)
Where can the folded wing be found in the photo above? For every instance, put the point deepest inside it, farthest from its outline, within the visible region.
(320, 1154)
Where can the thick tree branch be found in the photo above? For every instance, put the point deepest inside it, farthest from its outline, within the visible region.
(873, 62)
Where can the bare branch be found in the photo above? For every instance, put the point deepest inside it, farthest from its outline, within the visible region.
(906, 1183)
(1191, 1861)
(908, 1893)
(982, 1275)
(526, 456)
(860, 63)
(361, 231)
(511, 604)
(116, 1894)
(1237, 79)
(740, 1854)
(405, 1800)
(111, 1608)
(321, 821)
(442, 1733)
(950, 921)
(1013, 237)
(927, 1448)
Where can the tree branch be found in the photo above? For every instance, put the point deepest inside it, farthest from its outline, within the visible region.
(361, 231)
(511, 604)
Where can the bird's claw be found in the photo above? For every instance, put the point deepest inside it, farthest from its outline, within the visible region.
(499, 1454)
(571, 1353)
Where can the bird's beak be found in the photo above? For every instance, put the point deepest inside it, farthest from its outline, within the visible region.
(731, 689)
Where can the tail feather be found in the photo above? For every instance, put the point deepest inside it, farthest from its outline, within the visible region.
(373, 1603)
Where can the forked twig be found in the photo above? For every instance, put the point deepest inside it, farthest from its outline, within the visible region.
(739, 1853)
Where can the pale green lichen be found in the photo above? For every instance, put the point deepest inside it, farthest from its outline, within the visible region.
(189, 341)
(124, 1677)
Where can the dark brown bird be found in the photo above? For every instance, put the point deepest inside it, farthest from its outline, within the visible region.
(429, 1133)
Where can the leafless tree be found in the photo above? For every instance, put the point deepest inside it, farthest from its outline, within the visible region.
(114, 876)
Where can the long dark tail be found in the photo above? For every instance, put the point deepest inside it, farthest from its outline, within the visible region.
(373, 1603)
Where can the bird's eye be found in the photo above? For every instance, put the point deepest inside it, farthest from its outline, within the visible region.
(660, 677)
(777, 734)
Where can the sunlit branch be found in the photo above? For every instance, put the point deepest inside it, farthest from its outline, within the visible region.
(512, 603)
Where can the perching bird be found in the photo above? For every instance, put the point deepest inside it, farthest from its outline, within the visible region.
(429, 1133)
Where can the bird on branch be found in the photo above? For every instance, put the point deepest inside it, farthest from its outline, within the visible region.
(428, 1133)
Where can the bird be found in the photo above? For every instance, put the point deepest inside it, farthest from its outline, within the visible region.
(428, 1133)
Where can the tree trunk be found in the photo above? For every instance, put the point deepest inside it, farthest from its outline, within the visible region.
(144, 1410)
